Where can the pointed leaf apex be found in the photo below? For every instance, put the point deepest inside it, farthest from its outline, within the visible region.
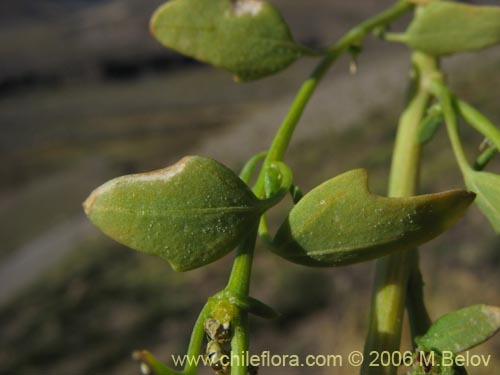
(189, 214)
(340, 222)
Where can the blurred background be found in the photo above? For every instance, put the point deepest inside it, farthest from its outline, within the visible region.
(86, 95)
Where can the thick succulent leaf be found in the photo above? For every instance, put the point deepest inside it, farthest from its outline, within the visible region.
(189, 214)
(484, 158)
(445, 27)
(462, 329)
(487, 187)
(254, 306)
(247, 37)
(340, 222)
(430, 124)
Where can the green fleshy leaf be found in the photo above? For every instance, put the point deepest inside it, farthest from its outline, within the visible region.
(487, 187)
(254, 306)
(445, 27)
(340, 222)
(430, 124)
(189, 214)
(296, 194)
(246, 37)
(462, 329)
(278, 179)
(484, 158)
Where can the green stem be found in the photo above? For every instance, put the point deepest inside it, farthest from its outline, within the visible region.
(479, 122)
(250, 166)
(196, 340)
(239, 280)
(353, 37)
(391, 274)
(396, 37)
(444, 96)
(418, 316)
(240, 344)
(484, 158)
(264, 234)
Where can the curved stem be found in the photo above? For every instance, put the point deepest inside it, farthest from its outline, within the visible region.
(479, 122)
(391, 274)
(353, 37)
(418, 316)
(250, 166)
(484, 158)
(239, 280)
(264, 234)
(195, 342)
(444, 96)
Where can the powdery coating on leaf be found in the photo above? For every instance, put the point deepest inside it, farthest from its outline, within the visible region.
(164, 174)
(248, 38)
(493, 314)
(356, 225)
(247, 7)
(462, 330)
(189, 215)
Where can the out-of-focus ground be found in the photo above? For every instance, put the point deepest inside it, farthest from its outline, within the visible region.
(86, 95)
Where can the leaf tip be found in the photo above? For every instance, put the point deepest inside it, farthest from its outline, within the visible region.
(464, 196)
(150, 365)
(89, 203)
(493, 314)
(143, 356)
(470, 195)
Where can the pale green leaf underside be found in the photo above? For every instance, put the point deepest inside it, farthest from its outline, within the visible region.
(444, 27)
(487, 187)
(340, 222)
(246, 37)
(189, 214)
(462, 329)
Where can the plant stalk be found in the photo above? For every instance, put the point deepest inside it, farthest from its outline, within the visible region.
(419, 318)
(239, 280)
(352, 38)
(392, 272)
(195, 342)
(479, 122)
(442, 93)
